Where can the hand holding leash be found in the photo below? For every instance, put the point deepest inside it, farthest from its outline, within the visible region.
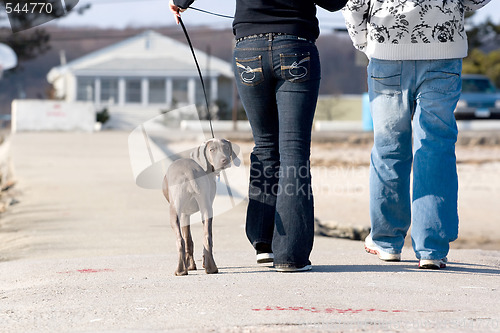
(176, 10)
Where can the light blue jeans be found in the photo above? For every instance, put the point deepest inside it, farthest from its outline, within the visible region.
(421, 94)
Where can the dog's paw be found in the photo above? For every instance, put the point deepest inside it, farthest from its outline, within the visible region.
(212, 270)
(191, 266)
(181, 273)
(209, 264)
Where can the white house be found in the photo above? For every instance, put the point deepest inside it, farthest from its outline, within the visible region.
(141, 76)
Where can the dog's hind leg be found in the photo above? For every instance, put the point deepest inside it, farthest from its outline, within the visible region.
(181, 248)
(208, 258)
(186, 234)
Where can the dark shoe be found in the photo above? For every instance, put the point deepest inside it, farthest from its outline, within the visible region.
(264, 253)
(291, 269)
(263, 258)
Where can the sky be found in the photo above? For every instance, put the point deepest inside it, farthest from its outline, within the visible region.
(136, 13)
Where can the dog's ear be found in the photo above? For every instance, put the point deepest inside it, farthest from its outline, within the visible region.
(235, 149)
(199, 156)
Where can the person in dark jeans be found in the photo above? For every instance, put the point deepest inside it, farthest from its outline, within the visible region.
(277, 70)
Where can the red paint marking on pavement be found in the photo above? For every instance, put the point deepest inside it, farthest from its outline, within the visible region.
(87, 270)
(90, 270)
(56, 114)
(327, 310)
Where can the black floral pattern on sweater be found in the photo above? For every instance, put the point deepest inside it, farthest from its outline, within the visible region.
(405, 22)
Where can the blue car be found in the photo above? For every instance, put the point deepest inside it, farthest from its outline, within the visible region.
(480, 99)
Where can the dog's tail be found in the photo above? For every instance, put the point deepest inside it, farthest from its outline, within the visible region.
(194, 187)
(190, 188)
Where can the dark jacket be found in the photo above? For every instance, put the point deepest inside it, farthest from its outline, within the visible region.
(295, 17)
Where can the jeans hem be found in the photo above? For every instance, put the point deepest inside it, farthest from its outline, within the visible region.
(265, 241)
(290, 265)
(431, 258)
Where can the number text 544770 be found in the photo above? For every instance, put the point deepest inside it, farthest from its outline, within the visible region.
(31, 7)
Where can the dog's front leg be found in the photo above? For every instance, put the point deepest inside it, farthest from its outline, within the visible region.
(181, 248)
(208, 258)
(186, 233)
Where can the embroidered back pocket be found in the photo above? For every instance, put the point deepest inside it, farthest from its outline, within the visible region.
(295, 67)
(250, 70)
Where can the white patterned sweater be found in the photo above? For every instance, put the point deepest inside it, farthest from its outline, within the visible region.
(409, 29)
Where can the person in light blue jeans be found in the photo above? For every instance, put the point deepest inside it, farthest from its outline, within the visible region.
(426, 91)
(414, 83)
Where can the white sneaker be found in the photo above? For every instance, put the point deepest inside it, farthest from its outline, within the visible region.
(432, 263)
(294, 269)
(265, 257)
(373, 248)
(264, 253)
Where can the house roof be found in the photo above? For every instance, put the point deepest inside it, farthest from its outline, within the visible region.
(147, 54)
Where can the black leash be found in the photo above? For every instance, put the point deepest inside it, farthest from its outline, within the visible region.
(199, 74)
(229, 191)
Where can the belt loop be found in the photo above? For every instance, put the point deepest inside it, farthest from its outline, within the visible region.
(270, 36)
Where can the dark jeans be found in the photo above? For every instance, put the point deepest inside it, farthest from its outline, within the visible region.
(278, 80)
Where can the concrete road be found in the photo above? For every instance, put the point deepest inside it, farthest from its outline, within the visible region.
(86, 250)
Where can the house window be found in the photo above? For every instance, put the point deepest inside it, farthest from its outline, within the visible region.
(85, 89)
(157, 91)
(109, 90)
(133, 91)
(179, 91)
(200, 96)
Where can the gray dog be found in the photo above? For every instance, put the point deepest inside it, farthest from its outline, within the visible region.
(190, 186)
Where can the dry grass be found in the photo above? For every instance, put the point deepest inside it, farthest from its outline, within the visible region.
(339, 108)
